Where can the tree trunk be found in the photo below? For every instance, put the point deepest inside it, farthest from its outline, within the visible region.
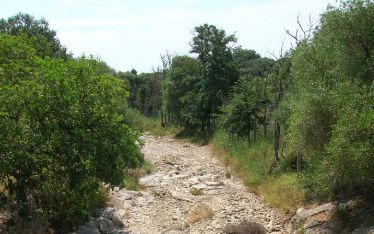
(254, 131)
(265, 131)
(265, 125)
(276, 145)
(208, 126)
(276, 140)
(165, 120)
(249, 138)
(299, 161)
(162, 119)
(207, 130)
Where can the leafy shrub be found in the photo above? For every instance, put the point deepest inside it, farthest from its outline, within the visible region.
(289, 164)
(350, 150)
(313, 180)
(62, 132)
(331, 110)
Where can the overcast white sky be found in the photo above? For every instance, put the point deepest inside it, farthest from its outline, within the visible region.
(133, 33)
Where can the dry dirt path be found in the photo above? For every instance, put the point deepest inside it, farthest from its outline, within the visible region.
(166, 205)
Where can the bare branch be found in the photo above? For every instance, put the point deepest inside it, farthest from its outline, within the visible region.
(307, 32)
(278, 56)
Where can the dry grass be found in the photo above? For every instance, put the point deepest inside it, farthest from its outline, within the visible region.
(245, 228)
(282, 192)
(199, 213)
(131, 180)
(251, 165)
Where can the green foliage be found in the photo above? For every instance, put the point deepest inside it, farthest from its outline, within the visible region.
(252, 163)
(310, 122)
(133, 118)
(348, 32)
(147, 167)
(62, 131)
(331, 112)
(350, 149)
(313, 180)
(37, 33)
(131, 180)
(179, 89)
(193, 134)
(145, 91)
(282, 191)
(250, 63)
(153, 125)
(218, 69)
(248, 103)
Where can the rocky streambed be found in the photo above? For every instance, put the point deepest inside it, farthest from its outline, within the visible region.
(189, 191)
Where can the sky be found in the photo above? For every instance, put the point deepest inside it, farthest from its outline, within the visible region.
(130, 34)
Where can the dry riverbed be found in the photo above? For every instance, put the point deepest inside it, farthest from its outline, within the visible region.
(189, 191)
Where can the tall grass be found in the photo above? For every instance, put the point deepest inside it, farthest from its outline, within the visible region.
(153, 125)
(139, 122)
(251, 164)
(132, 177)
(194, 135)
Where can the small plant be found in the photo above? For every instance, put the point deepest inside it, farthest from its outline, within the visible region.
(131, 180)
(131, 183)
(101, 198)
(147, 167)
(199, 213)
(196, 192)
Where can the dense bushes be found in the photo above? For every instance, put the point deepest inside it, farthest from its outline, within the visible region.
(331, 112)
(321, 93)
(62, 133)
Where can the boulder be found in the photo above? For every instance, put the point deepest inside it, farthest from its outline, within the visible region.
(302, 214)
(111, 215)
(105, 225)
(89, 228)
(364, 230)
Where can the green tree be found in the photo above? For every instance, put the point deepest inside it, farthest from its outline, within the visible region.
(248, 103)
(178, 89)
(280, 80)
(38, 34)
(218, 69)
